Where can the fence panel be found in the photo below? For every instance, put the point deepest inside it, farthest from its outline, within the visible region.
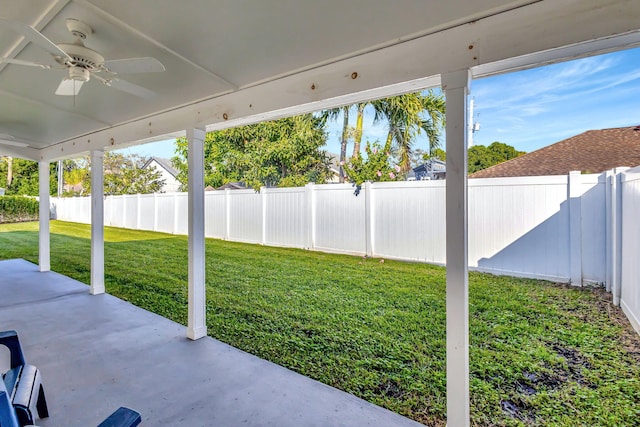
(131, 211)
(287, 217)
(408, 220)
(245, 216)
(166, 213)
(519, 226)
(630, 289)
(181, 216)
(215, 214)
(118, 207)
(340, 224)
(594, 230)
(147, 213)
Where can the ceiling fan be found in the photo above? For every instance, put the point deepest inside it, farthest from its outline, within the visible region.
(83, 63)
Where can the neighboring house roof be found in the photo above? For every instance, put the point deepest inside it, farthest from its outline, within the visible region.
(233, 186)
(431, 169)
(593, 151)
(164, 163)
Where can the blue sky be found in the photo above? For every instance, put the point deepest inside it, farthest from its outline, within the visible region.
(529, 109)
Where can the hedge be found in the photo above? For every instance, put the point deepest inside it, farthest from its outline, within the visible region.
(18, 209)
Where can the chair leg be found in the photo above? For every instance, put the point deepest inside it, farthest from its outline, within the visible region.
(41, 404)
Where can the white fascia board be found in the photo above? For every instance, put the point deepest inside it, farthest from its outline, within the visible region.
(540, 33)
(27, 153)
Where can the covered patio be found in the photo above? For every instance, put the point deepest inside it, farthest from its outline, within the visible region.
(221, 66)
(99, 353)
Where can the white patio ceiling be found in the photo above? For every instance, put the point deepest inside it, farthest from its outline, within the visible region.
(232, 62)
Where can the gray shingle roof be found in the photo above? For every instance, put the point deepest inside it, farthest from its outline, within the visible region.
(593, 151)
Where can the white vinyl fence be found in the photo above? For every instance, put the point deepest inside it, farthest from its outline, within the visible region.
(562, 228)
(628, 289)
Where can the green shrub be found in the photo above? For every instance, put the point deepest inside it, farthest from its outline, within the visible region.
(18, 209)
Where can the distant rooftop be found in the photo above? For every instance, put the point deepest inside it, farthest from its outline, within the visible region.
(593, 151)
(165, 163)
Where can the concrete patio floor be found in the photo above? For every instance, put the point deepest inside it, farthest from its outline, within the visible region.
(97, 353)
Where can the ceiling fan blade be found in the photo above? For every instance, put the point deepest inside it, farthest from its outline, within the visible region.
(34, 36)
(21, 62)
(69, 87)
(132, 89)
(134, 65)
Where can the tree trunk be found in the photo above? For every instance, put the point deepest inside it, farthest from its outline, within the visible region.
(9, 171)
(358, 134)
(343, 143)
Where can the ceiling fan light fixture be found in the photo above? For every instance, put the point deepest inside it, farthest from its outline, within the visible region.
(79, 74)
(69, 87)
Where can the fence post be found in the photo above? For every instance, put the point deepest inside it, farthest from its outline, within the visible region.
(263, 198)
(227, 213)
(123, 224)
(575, 227)
(607, 229)
(138, 212)
(155, 211)
(615, 231)
(175, 213)
(368, 218)
(310, 208)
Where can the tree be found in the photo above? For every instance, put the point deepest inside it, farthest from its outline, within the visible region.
(126, 175)
(481, 157)
(408, 116)
(281, 153)
(20, 176)
(375, 167)
(333, 114)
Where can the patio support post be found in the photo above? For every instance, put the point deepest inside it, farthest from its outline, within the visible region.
(456, 88)
(97, 223)
(197, 322)
(44, 252)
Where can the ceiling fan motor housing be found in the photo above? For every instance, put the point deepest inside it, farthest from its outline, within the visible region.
(83, 57)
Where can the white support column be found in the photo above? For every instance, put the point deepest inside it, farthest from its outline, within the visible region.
(575, 227)
(197, 321)
(44, 253)
(97, 223)
(456, 88)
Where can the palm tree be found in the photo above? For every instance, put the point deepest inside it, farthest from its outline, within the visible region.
(9, 170)
(405, 115)
(357, 135)
(333, 114)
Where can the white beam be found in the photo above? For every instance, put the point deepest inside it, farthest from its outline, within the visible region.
(27, 153)
(97, 222)
(456, 89)
(44, 257)
(513, 35)
(197, 316)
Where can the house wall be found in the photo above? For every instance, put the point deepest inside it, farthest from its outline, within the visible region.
(171, 184)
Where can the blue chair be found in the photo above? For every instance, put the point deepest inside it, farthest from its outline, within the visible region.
(21, 392)
(23, 383)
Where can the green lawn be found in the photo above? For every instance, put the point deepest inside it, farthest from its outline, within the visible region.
(541, 354)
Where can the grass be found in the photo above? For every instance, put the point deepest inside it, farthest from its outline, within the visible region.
(540, 354)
